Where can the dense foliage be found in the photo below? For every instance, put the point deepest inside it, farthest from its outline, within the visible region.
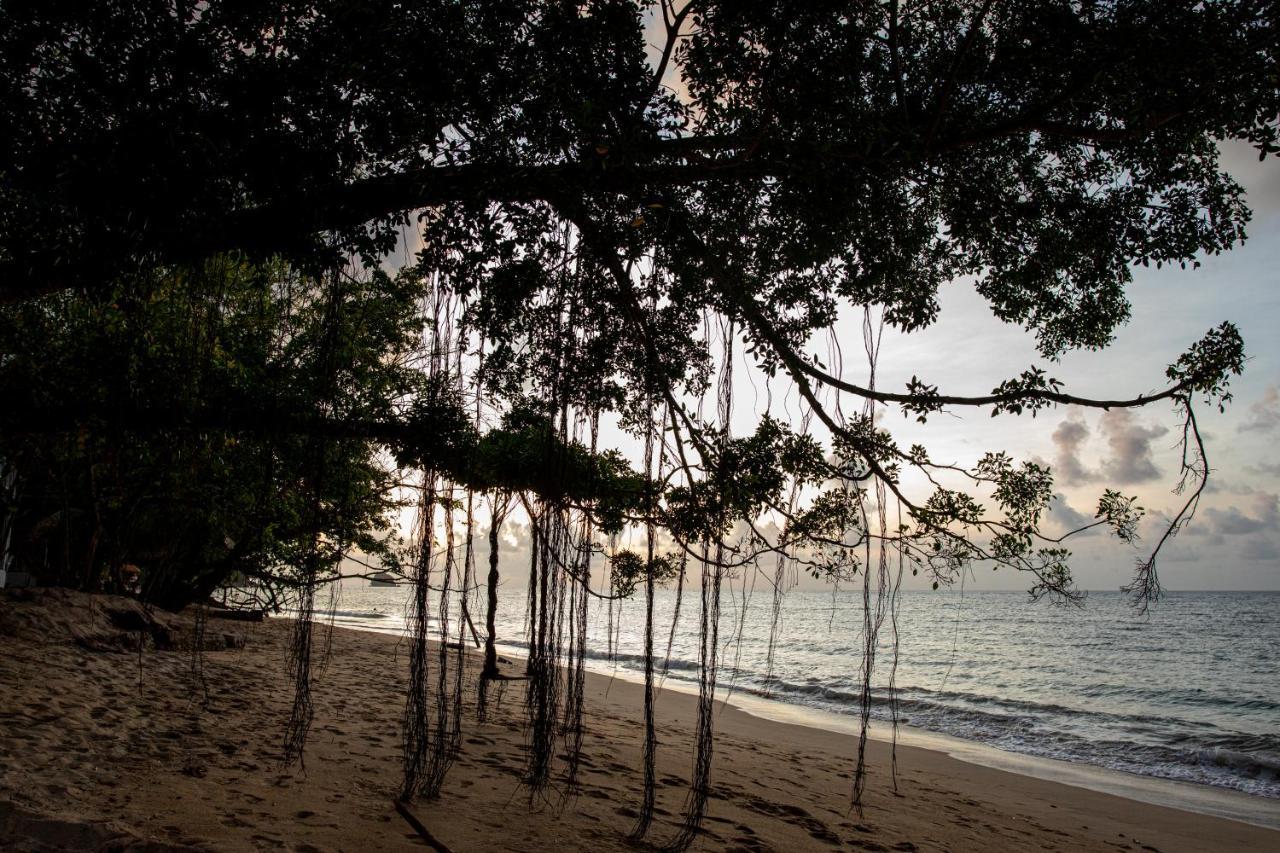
(166, 423)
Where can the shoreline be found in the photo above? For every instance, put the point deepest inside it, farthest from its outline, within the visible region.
(1208, 800)
(115, 739)
(1197, 798)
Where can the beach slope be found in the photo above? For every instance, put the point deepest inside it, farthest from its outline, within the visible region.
(126, 750)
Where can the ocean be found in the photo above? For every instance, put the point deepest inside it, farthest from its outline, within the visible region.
(1189, 692)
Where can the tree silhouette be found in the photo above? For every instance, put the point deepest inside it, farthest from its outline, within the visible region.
(604, 225)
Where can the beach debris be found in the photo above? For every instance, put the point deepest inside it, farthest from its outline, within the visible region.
(418, 827)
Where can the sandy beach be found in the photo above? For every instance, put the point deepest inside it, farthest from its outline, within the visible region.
(104, 747)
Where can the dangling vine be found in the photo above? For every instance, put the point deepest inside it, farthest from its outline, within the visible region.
(709, 632)
(428, 750)
(302, 711)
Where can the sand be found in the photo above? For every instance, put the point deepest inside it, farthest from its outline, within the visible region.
(113, 750)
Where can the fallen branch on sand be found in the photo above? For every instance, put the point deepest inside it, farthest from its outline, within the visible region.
(424, 833)
(236, 615)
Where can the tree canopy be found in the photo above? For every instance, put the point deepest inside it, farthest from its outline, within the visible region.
(769, 163)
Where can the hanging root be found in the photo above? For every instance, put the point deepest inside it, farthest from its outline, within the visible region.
(541, 692)
(675, 617)
(443, 745)
(302, 713)
(577, 672)
(199, 684)
(650, 733)
(709, 630)
(886, 593)
(709, 634)
(415, 744)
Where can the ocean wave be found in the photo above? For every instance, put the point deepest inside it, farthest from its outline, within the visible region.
(991, 707)
(1191, 696)
(1253, 765)
(1248, 763)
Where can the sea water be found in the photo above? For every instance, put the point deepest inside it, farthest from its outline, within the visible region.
(1189, 691)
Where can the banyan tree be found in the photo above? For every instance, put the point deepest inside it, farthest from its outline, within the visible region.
(468, 238)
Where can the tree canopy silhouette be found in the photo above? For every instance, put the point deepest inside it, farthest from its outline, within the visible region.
(775, 161)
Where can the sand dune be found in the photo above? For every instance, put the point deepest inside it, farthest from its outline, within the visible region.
(122, 750)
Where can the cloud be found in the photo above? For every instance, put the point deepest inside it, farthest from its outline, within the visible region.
(1264, 415)
(1130, 443)
(1067, 516)
(1232, 522)
(1068, 438)
(1264, 515)
(1177, 553)
(1271, 469)
(1258, 548)
(1129, 459)
(1217, 485)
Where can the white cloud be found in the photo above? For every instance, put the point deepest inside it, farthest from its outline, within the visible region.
(1069, 438)
(1067, 516)
(1232, 521)
(1130, 442)
(1129, 458)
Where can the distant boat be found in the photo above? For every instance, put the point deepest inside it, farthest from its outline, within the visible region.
(382, 579)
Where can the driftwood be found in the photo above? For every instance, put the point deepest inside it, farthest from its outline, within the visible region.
(474, 636)
(500, 676)
(423, 833)
(236, 615)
